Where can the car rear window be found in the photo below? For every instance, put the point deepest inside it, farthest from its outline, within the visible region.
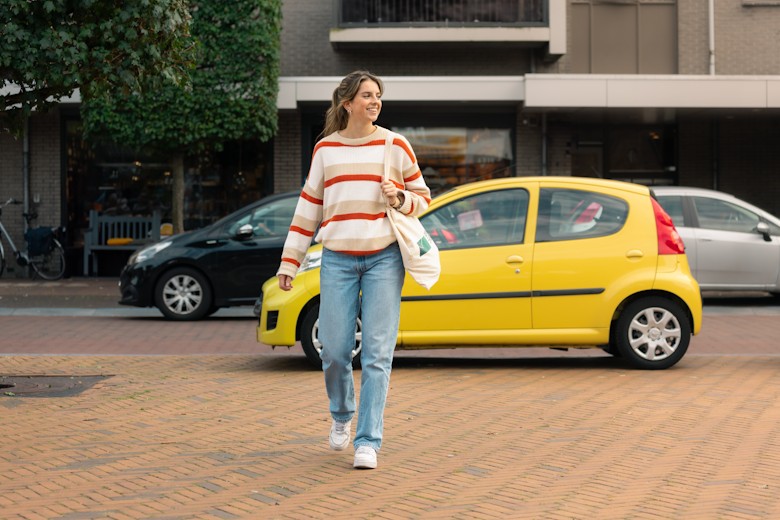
(573, 214)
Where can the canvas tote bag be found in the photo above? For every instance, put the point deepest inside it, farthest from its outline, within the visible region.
(420, 254)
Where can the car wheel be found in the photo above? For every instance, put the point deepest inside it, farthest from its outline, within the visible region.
(183, 294)
(311, 343)
(653, 333)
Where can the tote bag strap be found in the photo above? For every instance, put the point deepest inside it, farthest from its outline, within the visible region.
(388, 150)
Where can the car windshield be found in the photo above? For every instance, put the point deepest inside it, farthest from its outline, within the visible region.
(272, 219)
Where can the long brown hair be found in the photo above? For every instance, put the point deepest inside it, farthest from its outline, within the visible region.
(336, 117)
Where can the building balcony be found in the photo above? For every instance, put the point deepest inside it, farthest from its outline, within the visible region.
(531, 23)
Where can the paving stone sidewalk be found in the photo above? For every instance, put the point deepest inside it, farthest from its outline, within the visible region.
(223, 437)
(216, 426)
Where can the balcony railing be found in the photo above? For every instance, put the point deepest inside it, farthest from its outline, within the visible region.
(438, 13)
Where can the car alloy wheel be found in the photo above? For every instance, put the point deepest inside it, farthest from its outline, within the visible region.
(183, 294)
(311, 343)
(653, 333)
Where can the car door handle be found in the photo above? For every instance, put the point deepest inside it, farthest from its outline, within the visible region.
(634, 253)
(515, 259)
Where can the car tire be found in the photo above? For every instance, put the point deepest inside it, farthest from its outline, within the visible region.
(183, 294)
(652, 333)
(310, 338)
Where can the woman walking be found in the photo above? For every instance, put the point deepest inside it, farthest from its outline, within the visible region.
(362, 271)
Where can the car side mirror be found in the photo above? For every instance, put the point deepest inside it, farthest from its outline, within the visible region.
(245, 231)
(763, 229)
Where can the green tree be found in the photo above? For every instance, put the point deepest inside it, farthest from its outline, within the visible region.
(50, 48)
(232, 95)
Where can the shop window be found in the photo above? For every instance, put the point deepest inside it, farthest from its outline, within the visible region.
(119, 181)
(644, 154)
(451, 156)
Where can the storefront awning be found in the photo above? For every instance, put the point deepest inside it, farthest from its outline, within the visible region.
(294, 90)
(650, 91)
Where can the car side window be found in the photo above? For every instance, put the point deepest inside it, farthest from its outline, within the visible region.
(724, 216)
(268, 220)
(485, 219)
(673, 205)
(574, 214)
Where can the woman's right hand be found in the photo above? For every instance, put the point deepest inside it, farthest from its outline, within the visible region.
(285, 282)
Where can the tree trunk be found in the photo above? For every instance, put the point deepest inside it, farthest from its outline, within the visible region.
(177, 204)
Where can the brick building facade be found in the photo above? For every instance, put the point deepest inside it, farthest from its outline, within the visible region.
(716, 64)
(652, 91)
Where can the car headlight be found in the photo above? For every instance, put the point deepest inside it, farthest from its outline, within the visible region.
(311, 261)
(148, 252)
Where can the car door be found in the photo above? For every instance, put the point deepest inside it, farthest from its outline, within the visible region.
(486, 271)
(730, 252)
(243, 262)
(592, 249)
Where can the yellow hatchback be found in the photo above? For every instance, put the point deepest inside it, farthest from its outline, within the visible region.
(531, 261)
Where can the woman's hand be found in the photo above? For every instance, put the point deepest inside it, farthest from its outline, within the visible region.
(285, 282)
(393, 195)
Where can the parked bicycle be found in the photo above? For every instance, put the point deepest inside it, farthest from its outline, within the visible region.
(44, 254)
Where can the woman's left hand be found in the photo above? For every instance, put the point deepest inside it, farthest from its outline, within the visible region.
(390, 192)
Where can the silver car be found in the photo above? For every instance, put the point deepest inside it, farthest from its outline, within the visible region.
(731, 244)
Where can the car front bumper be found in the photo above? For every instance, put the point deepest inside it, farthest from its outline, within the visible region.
(136, 286)
(281, 310)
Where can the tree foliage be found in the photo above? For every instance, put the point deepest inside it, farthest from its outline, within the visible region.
(232, 94)
(49, 48)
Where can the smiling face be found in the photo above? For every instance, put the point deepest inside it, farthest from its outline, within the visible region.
(364, 108)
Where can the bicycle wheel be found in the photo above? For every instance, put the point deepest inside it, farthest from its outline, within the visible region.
(50, 266)
(2, 259)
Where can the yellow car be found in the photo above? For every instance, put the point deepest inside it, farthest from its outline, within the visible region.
(531, 261)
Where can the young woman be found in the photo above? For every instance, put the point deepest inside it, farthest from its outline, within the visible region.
(346, 196)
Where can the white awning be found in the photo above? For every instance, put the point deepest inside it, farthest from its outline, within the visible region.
(294, 90)
(650, 91)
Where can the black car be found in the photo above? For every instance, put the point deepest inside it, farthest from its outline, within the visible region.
(191, 275)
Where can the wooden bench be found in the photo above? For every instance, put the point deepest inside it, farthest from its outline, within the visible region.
(117, 233)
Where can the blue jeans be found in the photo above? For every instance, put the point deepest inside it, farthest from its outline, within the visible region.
(343, 279)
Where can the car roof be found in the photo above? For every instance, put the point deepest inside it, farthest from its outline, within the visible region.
(584, 181)
(691, 190)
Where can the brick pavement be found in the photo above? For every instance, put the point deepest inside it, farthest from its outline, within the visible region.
(245, 437)
(239, 431)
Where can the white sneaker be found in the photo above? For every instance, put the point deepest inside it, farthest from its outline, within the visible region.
(365, 458)
(339, 435)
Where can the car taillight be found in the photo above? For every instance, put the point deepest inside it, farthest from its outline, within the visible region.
(669, 240)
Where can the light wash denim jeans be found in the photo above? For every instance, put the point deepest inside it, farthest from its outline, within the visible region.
(379, 277)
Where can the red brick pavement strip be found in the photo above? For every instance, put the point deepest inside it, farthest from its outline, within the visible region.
(245, 437)
(721, 334)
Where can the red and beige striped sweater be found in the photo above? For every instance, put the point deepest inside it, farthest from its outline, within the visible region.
(342, 194)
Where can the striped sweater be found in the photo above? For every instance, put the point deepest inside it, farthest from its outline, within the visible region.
(343, 195)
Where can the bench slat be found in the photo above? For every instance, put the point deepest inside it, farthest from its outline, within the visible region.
(104, 227)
